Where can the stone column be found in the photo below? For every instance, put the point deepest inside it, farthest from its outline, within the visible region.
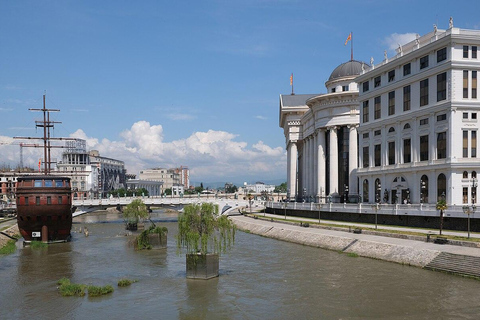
(333, 160)
(321, 164)
(352, 160)
(292, 168)
(315, 165)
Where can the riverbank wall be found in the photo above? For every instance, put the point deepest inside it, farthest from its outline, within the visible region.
(408, 255)
(12, 231)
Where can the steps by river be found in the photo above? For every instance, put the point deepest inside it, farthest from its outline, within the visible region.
(456, 264)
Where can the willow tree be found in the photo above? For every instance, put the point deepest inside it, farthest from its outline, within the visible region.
(205, 235)
(133, 212)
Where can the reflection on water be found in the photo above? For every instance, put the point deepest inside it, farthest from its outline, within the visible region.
(260, 278)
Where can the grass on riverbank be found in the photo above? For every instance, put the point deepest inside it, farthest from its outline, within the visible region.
(9, 247)
(432, 232)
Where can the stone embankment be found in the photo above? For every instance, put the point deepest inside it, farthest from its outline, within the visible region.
(12, 231)
(403, 251)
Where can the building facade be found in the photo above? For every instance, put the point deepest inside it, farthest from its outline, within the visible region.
(418, 134)
(92, 176)
(321, 138)
(177, 179)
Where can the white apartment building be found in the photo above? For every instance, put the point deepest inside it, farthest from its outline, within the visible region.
(418, 132)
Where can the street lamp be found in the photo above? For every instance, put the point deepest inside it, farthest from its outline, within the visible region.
(467, 210)
(319, 209)
(375, 208)
(304, 193)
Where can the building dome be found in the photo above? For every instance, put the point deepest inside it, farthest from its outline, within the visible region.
(350, 68)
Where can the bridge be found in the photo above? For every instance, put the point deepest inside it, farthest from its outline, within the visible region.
(84, 206)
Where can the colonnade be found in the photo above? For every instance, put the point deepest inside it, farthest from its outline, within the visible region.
(307, 177)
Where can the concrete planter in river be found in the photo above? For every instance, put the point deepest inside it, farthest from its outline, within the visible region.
(202, 266)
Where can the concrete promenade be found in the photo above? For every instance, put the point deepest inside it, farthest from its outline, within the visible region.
(404, 251)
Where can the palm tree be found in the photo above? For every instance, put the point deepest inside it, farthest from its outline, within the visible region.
(442, 206)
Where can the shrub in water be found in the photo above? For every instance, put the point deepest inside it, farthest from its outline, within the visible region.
(95, 291)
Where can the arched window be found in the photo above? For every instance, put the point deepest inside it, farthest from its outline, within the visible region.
(406, 126)
(441, 187)
(465, 175)
(392, 129)
(365, 190)
(474, 174)
(424, 189)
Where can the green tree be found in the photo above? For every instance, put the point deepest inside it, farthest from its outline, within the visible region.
(281, 188)
(133, 212)
(201, 230)
(442, 206)
(231, 189)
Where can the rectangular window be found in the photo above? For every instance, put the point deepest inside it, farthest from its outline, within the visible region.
(391, 75)
(378, 154)
(365, 86)
(334, 89)
(391, 103)
(474, 144)
(377, 81)
(365, 135)
(49, 200)
(424, 148)
(407, 68)
(474, 84)
(345, 88)
(423, 121)
(406, 98)
(441, 145)
(58, 183)
(441, 86)
(48, 183)
(465, 51)
(378, 108)
(407, 151)
(391, 152)
(465, 143)
(366, 155)
(26, 201)
(474, 116)
(60, 200)
(442, 117)
(38, 183)
(424, 92)
(465, 84)
(377, 133)
(365, 111)
(37, 201)
(442, 54)
(465, 115)
(474, 52)
(465, 195)
(423, 62)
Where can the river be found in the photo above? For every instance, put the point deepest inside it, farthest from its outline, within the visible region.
(260, 278)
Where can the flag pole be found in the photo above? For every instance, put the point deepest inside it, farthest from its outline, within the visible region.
(291, 83)
(351, 47)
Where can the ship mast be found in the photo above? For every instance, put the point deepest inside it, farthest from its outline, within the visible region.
(46, 124)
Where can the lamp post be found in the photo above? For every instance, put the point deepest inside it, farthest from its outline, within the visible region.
(285, 209)
(468, 210)
(319, 209)
(304, 194)
(375, 208)
(471, 209)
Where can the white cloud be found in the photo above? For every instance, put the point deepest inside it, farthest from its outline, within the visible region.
(261, 117)
(180, 116)
(393, 40)
(210, 156)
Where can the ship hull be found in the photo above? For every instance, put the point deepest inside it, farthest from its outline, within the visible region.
(44, 208)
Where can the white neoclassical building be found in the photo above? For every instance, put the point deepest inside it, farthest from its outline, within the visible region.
(418, 134)
(321, 138)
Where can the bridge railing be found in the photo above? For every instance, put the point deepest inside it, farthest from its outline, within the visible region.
(424, 210)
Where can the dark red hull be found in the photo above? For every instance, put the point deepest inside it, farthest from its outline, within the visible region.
(44, 208)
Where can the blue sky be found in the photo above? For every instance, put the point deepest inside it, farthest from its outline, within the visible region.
(193, 83)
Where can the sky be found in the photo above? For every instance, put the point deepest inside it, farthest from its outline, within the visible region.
(188, 83)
